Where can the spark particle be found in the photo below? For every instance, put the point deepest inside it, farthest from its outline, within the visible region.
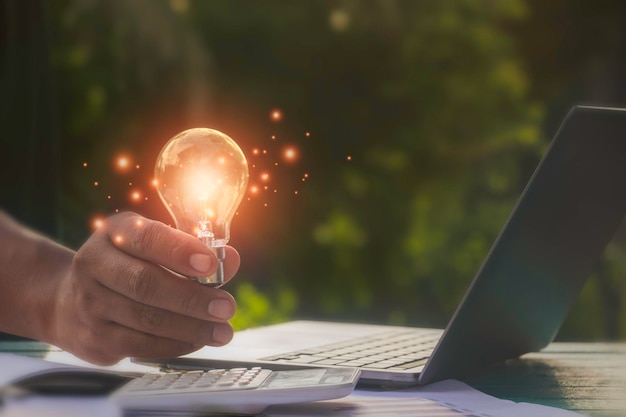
(290, 154)
(123, 162)
(276, 115)
(85, 164)
(96, 183)
(98, 222)
(135, 195)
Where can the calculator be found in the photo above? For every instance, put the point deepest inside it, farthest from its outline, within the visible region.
(235, 390)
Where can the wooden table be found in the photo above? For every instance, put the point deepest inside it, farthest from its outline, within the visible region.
(586, 377)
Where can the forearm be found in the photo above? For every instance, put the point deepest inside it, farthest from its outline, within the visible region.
(31, 267)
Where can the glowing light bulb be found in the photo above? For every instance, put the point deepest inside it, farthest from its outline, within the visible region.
(201, 176)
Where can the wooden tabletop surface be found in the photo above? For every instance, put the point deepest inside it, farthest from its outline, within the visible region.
(586, 377)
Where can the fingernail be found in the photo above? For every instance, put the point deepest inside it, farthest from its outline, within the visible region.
(222, 334)
(201, 262)
(221, 308)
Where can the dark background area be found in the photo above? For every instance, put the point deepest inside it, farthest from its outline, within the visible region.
(417, 125)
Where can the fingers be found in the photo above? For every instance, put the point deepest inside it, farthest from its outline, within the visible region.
(155, 242)
(159, 322)
(155, 286)
(126, 297)
(115, 342)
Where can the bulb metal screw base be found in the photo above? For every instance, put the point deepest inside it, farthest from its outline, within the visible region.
(217, 279)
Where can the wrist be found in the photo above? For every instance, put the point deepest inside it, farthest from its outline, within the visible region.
(32, 270)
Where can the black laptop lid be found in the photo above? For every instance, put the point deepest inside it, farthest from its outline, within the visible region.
(569, 211)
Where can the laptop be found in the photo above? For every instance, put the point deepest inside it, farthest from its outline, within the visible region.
(557, 231)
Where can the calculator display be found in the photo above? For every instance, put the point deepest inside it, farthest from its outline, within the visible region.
(295, 378)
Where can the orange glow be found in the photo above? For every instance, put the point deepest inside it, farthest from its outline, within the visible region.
(255, 151)
(265, 177)
(307, 134)
(306, 175)
(85, 164)
(273, 137)
(123, 163)
(135, 195)
(96, 183)
(118, 239)
(264, 151)
(295, 192)
(290, 154)
(97, 223)
(155, 182)
(221, 160)
(137, 166)
(349, 158)
(254, 189)
(276, 115)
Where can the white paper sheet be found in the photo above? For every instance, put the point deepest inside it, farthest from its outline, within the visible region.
(442, 399)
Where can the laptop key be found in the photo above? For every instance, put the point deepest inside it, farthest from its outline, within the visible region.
(306, 359)
(354, 363)
(413, 364)
(328, 362)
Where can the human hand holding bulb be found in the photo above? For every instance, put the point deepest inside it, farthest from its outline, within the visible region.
(124, 292)
(201, 176)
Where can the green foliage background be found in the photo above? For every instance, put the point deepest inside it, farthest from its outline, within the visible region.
(444, 106)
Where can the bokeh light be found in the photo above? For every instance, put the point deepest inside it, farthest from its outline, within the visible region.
(276, 115)
(290, 154)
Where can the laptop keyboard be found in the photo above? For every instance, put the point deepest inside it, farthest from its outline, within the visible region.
(395, 351)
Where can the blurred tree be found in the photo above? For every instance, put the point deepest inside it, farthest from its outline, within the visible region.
(424, 129)
(429, 101)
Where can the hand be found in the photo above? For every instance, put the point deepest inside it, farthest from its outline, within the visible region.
(121, 297)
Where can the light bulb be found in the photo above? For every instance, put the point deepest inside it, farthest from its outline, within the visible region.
(201, 176)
